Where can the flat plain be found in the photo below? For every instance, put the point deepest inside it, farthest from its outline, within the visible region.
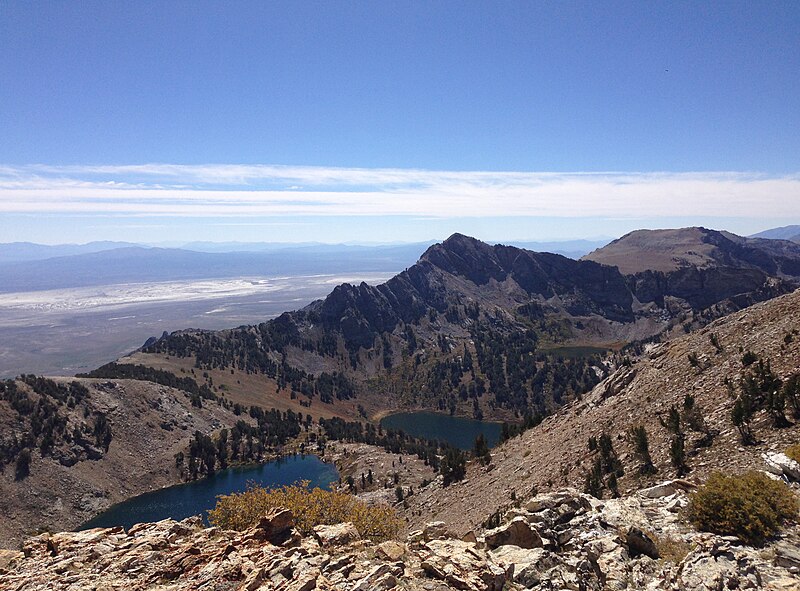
(65, 331)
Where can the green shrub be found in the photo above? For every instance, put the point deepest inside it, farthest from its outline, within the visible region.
(240, 511)
(750, 506)
(794, 452)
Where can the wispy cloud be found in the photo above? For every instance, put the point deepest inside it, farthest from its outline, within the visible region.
(246, 190)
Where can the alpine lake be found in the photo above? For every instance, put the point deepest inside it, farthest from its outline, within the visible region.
(457, 431)
(197, 497)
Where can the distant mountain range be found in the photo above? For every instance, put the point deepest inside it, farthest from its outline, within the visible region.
(12, 252)
(137, 264)
(29, 267)
(784, 233)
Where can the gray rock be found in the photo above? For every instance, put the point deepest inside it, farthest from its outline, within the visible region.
(664, 489)
(782, 465)
(787, 556)
(434, 530)
(517, 532)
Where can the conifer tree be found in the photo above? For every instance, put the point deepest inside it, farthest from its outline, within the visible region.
(641, 447)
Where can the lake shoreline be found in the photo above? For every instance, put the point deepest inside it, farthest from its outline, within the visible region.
(175, 502)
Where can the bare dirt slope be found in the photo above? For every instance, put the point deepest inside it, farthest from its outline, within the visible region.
(140, 458)
(673, 249)
(556, 453)
(245, 388)
(656, 250)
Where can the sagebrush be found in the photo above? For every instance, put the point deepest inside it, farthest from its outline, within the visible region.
(240, 511)
(794, 452)
(750, 506)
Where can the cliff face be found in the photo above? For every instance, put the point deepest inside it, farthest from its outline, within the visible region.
(595, 288)
(362, 312)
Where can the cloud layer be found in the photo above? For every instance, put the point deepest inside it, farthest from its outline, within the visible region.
(250, 190)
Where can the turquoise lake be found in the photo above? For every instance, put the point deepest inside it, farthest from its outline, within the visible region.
(457, 431)
(194, 498)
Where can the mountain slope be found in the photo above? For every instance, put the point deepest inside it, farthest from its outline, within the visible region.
(701, 267)
(666, 251)
(11, 252)
(468, 319)
(76, 477)
(556, 454)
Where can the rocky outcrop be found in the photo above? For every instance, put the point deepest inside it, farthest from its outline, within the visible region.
(580, 543)
(587, 288)
(635, 542)
(782, 465)
(336, 535)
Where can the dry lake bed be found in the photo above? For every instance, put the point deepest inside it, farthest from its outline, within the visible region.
(65, 331)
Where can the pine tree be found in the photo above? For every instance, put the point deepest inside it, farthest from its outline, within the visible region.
(677, 455)
(480, 450)
(791, 393)
(453, 465)
(23, 466)
(641, 447)
(741, 415)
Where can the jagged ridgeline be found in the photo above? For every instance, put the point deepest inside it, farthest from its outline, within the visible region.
(492, 331)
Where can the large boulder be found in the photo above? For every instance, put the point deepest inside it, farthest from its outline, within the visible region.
(336, 535)
(527, 567)
(516, 532)
(274, 527)
(461, 565)
(434, 530)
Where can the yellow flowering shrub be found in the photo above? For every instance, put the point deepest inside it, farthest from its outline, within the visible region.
(240, 511)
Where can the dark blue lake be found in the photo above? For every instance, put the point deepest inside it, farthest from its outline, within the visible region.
(456, 431)
(193, 498)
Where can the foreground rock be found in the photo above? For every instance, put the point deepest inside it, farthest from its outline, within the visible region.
(572, 541)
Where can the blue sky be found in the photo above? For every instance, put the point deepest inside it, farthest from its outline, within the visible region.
(365, 121)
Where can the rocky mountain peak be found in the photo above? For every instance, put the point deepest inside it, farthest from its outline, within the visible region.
(467, 257)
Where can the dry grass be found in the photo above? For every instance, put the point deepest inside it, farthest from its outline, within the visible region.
(672, 549)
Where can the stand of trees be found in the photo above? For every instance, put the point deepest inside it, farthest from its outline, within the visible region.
(40, 406)
(242, 443)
